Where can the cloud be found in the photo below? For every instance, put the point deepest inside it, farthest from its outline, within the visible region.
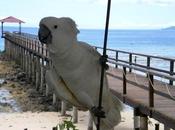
(149, 2)
(157, 2)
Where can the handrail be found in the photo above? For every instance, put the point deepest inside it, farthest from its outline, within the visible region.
(139, 54)
(148, 71)
(148, 65)
(139, 65)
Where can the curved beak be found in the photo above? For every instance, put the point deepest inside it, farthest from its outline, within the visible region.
(44, 34)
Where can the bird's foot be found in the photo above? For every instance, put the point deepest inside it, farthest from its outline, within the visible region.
(103, 60)
(98, 112)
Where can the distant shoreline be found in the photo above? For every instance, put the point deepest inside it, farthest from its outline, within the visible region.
(170, 28)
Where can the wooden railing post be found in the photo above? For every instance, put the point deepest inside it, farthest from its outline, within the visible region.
(171, 71)
(148, 63)
(116, 58)
(75, 115)
(151, 90)
(135, 59)
(124, 80)
(130, 62)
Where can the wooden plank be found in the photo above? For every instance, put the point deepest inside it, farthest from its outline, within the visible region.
(163, 105)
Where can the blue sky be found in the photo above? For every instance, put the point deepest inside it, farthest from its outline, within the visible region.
(125, 14)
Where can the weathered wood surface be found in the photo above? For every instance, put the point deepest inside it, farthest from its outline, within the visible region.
(137, 95)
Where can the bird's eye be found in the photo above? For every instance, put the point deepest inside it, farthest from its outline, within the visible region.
(55, 26)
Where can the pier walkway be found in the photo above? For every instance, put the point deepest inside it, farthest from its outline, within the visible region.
(138, 80)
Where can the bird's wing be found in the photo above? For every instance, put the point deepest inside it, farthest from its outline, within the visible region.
(89, 48)
(61, 89)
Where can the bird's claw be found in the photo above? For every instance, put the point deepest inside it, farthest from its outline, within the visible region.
(103, 60)
(98, 112)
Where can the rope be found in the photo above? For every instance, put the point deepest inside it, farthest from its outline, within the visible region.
(166, 86)
(149, 79)
(135, 77)
(168, 90)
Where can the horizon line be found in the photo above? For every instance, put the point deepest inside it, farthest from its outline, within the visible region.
(84, 28)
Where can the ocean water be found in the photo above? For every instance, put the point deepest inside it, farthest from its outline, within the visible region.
(154, 42)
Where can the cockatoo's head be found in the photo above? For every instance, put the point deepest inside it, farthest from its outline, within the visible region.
(57, 32)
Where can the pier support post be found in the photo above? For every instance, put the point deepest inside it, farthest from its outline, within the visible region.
(143, 122)
(136, 119)
(42, 78)
(38, 73)
(90, 122)
(37, 80)
(24, 60)
(75, 115)
(54, 99)
(47, 90)
(29, 66)
(140, 120)
(63, 108)
(33, 70)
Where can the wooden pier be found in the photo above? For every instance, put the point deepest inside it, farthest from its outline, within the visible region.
(139, 83)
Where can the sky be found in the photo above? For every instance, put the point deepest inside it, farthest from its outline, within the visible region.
(90, 14)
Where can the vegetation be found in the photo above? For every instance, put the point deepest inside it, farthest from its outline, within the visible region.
(67, 125)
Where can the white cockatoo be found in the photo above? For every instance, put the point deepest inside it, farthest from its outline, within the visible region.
(76, 71)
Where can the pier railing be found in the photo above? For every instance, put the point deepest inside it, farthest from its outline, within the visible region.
(33, 56)
(143, 61)
(31, 43)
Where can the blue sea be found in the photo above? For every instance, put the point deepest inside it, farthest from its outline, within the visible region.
(154, 42)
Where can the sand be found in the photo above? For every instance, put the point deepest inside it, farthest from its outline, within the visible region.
(44, 121)
(48, 120)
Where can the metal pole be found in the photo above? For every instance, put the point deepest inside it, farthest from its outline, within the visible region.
(104, 62)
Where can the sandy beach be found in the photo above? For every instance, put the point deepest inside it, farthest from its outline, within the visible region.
(47, 120)
(28, 109)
